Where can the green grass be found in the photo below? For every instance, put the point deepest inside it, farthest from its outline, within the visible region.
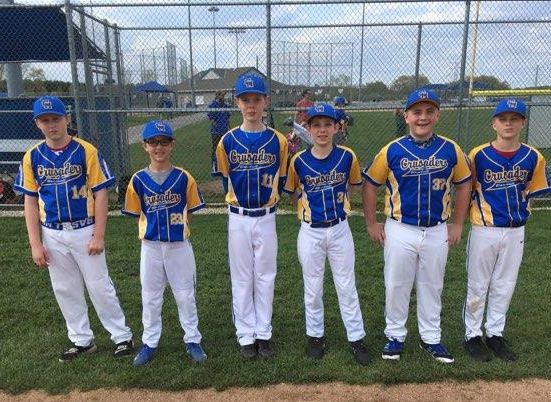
(33, 332)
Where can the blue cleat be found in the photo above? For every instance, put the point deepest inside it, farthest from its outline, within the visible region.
(438, 351)
(196, 352)
(144, 356)
(393, 349)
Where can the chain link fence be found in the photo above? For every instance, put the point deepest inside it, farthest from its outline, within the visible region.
(119, 64)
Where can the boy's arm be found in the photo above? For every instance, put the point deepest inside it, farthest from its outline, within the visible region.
(97, 243)
(375, 230)
(462, 200)
(32, 220)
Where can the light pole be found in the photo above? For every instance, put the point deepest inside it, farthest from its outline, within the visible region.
(236, 31)
(214, 10)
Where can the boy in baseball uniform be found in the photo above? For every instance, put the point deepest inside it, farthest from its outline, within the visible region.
(418, 172)
(506, 175)
(163, 197)
(252, 160)
(322, 176)
(65, 183)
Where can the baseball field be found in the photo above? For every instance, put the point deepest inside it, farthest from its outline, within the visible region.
(33, 333)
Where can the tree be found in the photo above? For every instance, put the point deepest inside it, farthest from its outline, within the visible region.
(404, 84)
(375, 91)
(492, 82)
(34, 74)
(488, 81)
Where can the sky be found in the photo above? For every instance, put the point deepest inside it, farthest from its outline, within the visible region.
(303, 53)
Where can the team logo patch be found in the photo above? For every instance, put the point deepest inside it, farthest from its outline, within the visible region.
(165, 200)
(46, 104)
(505, 178)
(320, 108)
(325, 180)
(49, 176)
(512, 103)
(249, 160)
(249, 83)
(420, 167)
(423, 94)
(160, 126)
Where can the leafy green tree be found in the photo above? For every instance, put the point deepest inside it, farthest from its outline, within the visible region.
(404, 84)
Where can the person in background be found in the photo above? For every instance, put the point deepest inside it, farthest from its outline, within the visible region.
(302, 105)
(220, 122)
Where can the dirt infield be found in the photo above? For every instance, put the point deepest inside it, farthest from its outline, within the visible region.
(517, 391)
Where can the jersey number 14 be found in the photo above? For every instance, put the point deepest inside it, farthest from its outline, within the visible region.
(79, 192)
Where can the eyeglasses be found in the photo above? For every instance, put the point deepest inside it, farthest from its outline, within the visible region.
(165, 142)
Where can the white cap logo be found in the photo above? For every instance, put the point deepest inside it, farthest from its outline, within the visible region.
(320, 108)
(249, 83)
(47, 104)
(512, 103)
(160, 126)
(423, 94)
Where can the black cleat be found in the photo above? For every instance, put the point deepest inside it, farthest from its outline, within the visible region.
(264, 348)
(360, 352)
(316, 347)
(248, 351)
(75, 351)
(501, 349)
(125, 348)
(476, 349)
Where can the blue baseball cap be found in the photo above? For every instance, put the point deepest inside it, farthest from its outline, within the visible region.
(339, 100)
(422, 95)
(250, 83)
(510, 105)
(48, 105)
(321, 109)
(156, 128)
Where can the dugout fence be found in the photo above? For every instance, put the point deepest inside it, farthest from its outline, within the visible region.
(371, 52)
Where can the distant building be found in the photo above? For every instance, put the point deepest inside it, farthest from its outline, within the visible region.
(210, 81)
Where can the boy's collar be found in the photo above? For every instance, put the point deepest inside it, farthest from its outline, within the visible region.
(422, 143)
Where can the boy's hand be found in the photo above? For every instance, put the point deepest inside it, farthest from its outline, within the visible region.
(40, 255)
(454, 233)
(96, 245)
(376, 232)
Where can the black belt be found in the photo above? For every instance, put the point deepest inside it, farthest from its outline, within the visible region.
(253, 212)
(327, 224)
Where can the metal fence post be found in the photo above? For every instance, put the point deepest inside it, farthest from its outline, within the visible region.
(90, 98)
(361, 55)
(73, 60)
(115, 127)
(269, 52)
(462, 70)
(418, 54)
(191, 80)
(122, 102)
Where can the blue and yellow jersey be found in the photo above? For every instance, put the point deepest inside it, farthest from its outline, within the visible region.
(323, 183)
(418, 179)
(254, 165)
(64, 181)
(503, 186)
(162, 208)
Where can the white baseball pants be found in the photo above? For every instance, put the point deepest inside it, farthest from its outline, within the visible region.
(336, 244)
(71, 269)
(252, 248)
(172, 263)
(493, 261)
(414, 255)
